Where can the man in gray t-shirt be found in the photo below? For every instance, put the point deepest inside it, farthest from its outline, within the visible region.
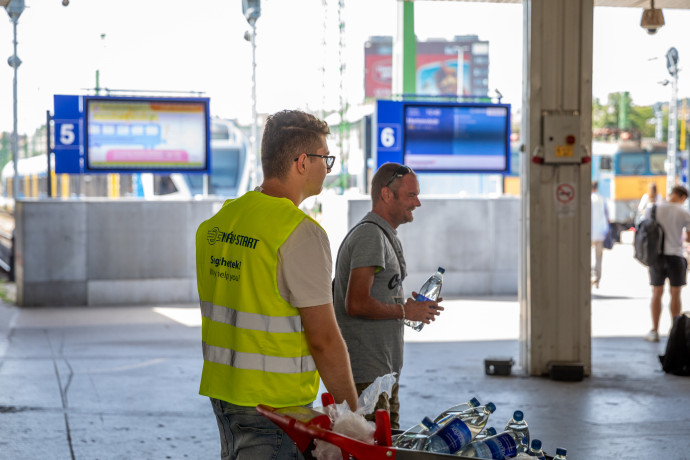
(368, 294)
(674, 220)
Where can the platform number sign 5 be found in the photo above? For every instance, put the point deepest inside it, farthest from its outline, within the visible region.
(67, 135)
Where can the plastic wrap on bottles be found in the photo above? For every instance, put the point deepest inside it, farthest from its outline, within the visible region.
(370, 396)
(353, 424)
(349, 424)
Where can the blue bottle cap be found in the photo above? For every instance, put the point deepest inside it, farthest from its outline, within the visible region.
(427, 422)
(490, 407)
(490, 431)
(560, 451)
(441, 269)
(518, 416)
(536, 444)
(474, 402)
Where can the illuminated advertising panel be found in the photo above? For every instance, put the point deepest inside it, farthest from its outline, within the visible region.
(459, 67)
(146, 134)
(444, 136)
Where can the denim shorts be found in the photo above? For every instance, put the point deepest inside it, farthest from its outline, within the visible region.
(247, 435)
(673, 267)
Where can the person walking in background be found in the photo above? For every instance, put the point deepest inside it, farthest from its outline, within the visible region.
(264, 280)
(368, 291)
(599, 231)
(673, 218)
(647, 200)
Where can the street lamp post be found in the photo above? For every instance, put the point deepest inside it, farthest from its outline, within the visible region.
(252, 11)
(14, 10)
(672, 66)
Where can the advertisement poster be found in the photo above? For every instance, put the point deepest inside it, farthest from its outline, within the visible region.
(438, 72)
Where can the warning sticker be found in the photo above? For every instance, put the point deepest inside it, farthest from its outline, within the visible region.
(564, 197)
(564, 151)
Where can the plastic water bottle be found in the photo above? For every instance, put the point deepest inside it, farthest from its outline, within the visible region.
(560, 454)
(500, 446)
(471, 404)
(491, 431)
(458, 431)
(431, 290)
(535, 450)
(518, 425)
(414, 438)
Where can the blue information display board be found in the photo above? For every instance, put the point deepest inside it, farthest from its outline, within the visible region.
(131, 134)
(444, 136)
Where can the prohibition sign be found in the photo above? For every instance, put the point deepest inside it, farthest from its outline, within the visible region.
(565, 194)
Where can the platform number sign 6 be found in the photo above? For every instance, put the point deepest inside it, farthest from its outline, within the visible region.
(67, 135)
(387, 137)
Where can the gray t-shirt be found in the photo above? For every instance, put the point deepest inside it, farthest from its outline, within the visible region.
(375, 345)
(673, 218)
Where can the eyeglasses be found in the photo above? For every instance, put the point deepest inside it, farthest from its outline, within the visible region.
(330, 159)
(400, 172)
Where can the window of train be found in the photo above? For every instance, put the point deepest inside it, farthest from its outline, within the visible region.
(656, 163)
(219, 131)
(606, 163)
(163, 185)
(632, 163)
(225, 165)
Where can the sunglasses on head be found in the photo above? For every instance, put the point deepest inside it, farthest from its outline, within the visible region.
(400, 172)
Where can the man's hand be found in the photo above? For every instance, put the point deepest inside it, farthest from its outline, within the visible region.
(424, 311)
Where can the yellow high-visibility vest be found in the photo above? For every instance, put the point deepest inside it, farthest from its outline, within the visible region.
(255, 350)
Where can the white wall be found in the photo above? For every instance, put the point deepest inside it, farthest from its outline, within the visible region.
(122, 252)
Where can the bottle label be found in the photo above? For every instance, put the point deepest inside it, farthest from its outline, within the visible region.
(502, 446)
(482, 450)
(421, 298)
(456, 435)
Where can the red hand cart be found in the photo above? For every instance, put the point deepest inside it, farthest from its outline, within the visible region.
(303, 430)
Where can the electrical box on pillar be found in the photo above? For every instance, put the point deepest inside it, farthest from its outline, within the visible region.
(562, 139)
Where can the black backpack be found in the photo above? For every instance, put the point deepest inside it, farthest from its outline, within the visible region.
(677, 358)
(649, 240)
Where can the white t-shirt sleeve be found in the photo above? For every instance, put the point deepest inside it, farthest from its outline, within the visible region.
(304, 267)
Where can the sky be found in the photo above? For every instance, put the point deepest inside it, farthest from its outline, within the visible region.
(199, 46)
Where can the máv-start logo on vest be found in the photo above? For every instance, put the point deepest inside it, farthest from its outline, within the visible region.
(217, 235)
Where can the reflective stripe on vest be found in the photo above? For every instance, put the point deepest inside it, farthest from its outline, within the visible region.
(257, 362)
(252, 321)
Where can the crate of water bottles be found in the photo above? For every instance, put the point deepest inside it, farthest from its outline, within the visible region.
(463, 430)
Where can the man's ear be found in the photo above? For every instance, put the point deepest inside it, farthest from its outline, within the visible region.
(386, 194)
(301, 164)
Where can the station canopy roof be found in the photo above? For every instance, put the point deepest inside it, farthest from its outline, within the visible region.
(658, 4)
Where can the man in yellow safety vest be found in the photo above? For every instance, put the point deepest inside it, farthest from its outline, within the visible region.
(264, 282)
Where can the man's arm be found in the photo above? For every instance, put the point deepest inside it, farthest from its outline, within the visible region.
(329, 351)
(359, 302)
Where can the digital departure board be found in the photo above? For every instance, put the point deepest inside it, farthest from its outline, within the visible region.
(444, 136)
(140, 134)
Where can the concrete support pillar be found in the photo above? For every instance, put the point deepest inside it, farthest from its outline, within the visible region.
(554, 280)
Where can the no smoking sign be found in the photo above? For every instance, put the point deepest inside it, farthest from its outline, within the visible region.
(564, 194)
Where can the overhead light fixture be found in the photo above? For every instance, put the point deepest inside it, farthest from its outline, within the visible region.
(652, 19)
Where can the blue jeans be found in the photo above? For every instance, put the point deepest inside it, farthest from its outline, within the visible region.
(247, 435)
